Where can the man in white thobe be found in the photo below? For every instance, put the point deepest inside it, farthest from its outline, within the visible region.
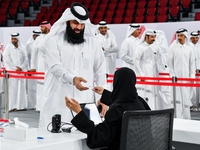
(73, 55)
(15, 60)
(129, 46)
(182, 65)
(163, 93)
(38, 62)
(109, 46)
(194, 38)
(147, 63)
(31, 83)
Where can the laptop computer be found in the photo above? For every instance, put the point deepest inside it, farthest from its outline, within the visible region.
(91, 111)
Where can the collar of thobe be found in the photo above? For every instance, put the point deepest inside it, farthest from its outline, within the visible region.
(135, 38)
(181, 45)
(147, 44)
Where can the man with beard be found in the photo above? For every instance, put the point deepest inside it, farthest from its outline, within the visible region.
(73, 55)
(38, 62)
(145, 61)
(31, 84)
(15, 59)
(129, 45)
(182, 65)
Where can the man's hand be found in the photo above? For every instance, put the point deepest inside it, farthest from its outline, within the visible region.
(192, 82)
(104, 108)
(18, 69)
(73, 105)
(98, 90)
(33, 70)
(77, 82)
(102, 48)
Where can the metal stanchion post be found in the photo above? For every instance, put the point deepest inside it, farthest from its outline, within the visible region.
(197, 91)
(174, 80)
(6, 96)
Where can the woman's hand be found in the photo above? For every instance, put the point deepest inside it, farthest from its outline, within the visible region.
(98, 89)
(73, 105)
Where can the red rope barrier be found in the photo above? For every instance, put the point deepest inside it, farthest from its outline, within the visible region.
(164, 74)
(21, 72)
(153, 78)
(25, 77)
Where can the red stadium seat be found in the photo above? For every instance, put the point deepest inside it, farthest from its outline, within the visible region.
(102, 7)
(3, 11)
(24, 6)
(80, 1)
(119, 13)
(163, 10)
(197, 16)
(104, 1)
(91, 15)
(139, 19)
(26, 0)
(140, 12)
(152, 4)
(108, 20)
(87, 6)
(47, 16)
(121, 6)
(109, 13)
(96, 20)
(44, 10)
(27, 22)
(55, 3)
(99, 14)
(113, 1)
(69, 2)
(112, 6)
(39, 16)
(151, 11)
(132, 0)
(131, 5)
(36, 2)
(150, 19)
(186, 3)
(35, 22)
(96, 2)
(174, 3)
(14, 4)
(174, 11)
(117, 20)
(12, 12)
(63, 3)
(122, 1)
(141, 4)
(52, 9)
(87, 2)
(129, 12)
(163, 3)
(55, 16)
(5, 5)
(52, 21)
(128, 19)
(162, 18)
(93, 7)
(60, 9)
(3, 19)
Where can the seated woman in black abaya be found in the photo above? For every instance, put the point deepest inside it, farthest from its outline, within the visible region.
(123, 97)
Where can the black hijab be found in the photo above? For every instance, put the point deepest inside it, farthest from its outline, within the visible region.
(124, 95)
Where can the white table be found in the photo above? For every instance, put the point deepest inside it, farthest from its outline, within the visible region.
(186, 131)
(52, 141)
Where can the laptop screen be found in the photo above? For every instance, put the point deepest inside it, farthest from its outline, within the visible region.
(91, 111)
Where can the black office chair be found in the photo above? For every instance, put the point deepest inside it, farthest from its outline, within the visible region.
(147, 130)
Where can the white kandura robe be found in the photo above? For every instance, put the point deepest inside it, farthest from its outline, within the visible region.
(38, 63)
(196, 49)
(110, 51)
(65, 61)
(31, 83)
(127, 51)
(147, 63)
(182, 65)
(14, 57)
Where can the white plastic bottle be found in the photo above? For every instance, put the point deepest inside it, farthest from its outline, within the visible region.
(1, 127)
(6, 124)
